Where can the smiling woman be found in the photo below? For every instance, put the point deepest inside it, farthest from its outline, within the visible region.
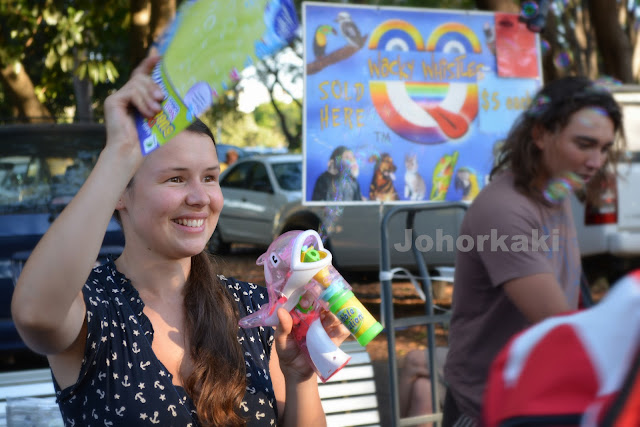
(153, 335)
(173, 202)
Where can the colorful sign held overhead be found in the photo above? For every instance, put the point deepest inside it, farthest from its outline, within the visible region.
(203, 52)
(405, 105)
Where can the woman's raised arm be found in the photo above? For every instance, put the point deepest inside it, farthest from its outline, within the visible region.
(47, 305)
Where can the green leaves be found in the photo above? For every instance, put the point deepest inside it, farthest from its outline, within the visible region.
(55, 43)
(98, 72)
(69, 28)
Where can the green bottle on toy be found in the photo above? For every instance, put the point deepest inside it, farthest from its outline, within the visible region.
(341, 301)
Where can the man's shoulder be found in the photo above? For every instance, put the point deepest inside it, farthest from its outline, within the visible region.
(500, 200)
(501, 191)
(325, 176)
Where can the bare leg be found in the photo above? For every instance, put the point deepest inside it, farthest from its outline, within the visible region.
(421, 399)
(414, 384)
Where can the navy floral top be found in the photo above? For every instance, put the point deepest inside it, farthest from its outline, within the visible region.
(122, 383)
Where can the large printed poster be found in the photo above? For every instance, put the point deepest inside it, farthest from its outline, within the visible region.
(407, 105)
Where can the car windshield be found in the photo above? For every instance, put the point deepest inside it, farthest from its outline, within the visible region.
(289, 175)
(38, 174)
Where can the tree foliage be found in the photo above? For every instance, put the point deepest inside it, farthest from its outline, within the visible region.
(58, 57)
(55, 42)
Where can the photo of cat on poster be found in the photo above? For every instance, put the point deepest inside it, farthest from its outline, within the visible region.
(415, 187)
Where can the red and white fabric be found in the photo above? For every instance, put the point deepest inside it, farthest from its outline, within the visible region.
(567, 367)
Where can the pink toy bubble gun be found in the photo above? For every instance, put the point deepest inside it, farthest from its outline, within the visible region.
(297, 263)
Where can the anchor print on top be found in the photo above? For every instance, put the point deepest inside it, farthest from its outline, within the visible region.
(123, 383)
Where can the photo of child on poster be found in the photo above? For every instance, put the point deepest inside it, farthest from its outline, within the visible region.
(340, 181)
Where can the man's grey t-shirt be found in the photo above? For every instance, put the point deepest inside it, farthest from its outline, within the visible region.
(508, 230)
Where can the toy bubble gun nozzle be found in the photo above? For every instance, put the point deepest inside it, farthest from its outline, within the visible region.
(297, 263)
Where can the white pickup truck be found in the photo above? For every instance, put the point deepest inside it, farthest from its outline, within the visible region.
(609, 237)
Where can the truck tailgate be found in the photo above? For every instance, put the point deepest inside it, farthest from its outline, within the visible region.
(629, 196)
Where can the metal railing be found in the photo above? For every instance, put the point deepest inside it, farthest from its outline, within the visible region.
(430, 318)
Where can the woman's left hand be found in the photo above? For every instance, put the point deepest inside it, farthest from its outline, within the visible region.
(293, 363)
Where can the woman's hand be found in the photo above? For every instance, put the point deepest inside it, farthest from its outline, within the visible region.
(140, 93)
(293, 363)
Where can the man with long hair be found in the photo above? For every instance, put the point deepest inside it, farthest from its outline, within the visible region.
(525, 265)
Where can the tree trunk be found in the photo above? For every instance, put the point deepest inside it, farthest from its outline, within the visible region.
(265, 70)
(613, 43)
(83, 90)
(149, 19)
(635, 64)
(293, 141)
(498, 5)
(550, 34)
(162, 13)
(139, 42)
(19, 88)
(591, 48)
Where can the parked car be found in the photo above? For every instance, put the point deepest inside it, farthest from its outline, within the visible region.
(263, 199)
(41, 169)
